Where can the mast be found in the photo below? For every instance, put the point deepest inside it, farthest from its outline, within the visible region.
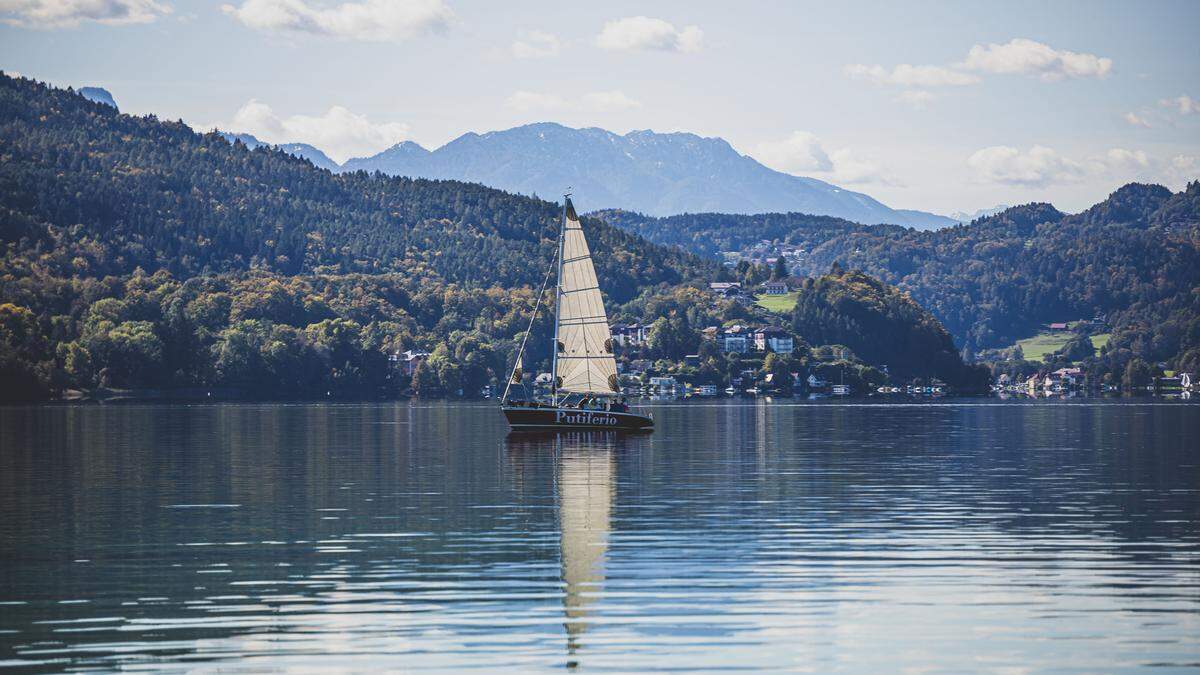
(537, 305)
(562, 231)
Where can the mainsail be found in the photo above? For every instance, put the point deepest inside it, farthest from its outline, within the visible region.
(584, 363)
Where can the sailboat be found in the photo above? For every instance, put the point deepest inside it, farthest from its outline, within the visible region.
(584, 382)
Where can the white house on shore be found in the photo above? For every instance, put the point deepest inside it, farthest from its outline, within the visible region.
(663, 383)
(409, 360)
(629, 335)
(735, 340)
(773, 339)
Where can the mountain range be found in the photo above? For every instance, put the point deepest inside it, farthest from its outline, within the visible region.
(964, 217)
(301, 150)
(652, 173)
(140, 253)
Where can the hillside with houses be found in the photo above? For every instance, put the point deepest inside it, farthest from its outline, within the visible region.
(1131, 262)
(145, 260)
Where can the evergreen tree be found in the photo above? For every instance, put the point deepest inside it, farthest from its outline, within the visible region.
(780, 270)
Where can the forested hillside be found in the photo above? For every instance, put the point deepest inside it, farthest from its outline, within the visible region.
(711, 233)
(105, 193)
(1134, 258)
(138, 253)
(855, 310)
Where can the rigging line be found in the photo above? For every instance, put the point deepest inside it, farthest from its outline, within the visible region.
(532, 318)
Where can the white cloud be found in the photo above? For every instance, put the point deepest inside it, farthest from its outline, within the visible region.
(339, 133)
(596, 101)
(535, 44)
(1180, 170)
(528, 101)
(71, 13)
(798, 153)
(1133, 119)
(803, 153)
(853, 169)
(642, 32)
(907, 75)
(1021, 56)
(367, 20)
(1126, 165)
(1122, 161)
(917, 98)
(1017, 56)
(1185, 105)
(1041, 167)
(1038, 167)
(609, 101)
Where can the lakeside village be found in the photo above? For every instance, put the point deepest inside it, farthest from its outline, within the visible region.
(760, 355)
(1055, 363)
(752, 356)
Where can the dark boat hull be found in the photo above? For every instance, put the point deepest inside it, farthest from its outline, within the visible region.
(520, 417)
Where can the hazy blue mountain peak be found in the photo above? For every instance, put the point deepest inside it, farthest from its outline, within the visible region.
(964, 217)
(644, 170)
(98, 95)
(305, 151)
(301, 150)
(248, 140)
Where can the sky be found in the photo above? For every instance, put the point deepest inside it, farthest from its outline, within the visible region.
(937, 106)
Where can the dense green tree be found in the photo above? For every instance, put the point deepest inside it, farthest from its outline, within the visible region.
(1138, 374)
(780, 367)
(425, 380)
(1078, 348)
(780, 270)
(881, 325)
(76, 363)
(672, 338)
(477, 362)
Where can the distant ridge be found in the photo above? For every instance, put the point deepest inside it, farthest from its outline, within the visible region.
(98, 95)
(301, 150)
(652, 173)
(964, 217)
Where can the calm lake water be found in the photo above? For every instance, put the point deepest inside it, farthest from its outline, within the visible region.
(945, 537)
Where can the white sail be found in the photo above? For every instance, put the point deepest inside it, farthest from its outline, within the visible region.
(585, 361)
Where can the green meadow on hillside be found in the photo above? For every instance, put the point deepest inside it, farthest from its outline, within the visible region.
(777, 303)
(1038, 347)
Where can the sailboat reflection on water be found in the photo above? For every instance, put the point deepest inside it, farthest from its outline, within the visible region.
(585, 490)
(585, 389)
